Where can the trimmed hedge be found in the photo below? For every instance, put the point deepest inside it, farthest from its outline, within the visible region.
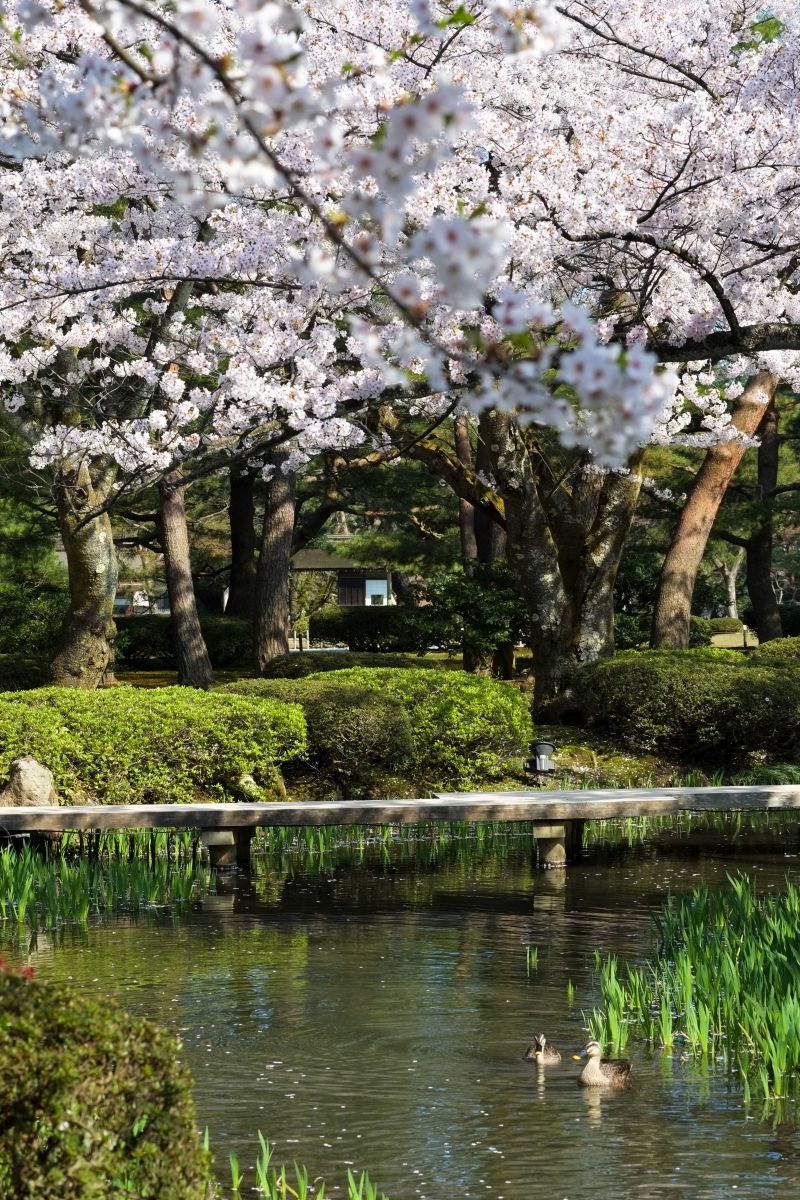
(314, 662)
(147, 641)
(94, 1103)
(785, 649)
(461, 729)
(713, 702)
(127, 745)
(357, 739)
(377, 630)
(725, 625)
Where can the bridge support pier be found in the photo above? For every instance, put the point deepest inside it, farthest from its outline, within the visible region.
(228, 848)
(557, 845)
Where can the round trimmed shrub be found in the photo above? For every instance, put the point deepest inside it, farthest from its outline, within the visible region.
(128, 745)
(313, 662)
(711, 702)
(785, 649)
(357, 739)
(94, 1103)
(725, 625)
(463, 728)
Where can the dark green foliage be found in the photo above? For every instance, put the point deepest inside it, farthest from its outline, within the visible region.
(632, 630)
(463, 728)
(711, 702)
(478, 609)
(725, 625)
(790, 618)
(134, 746)
(94, 1103)
(357, 739)
(18, 673)
(147, 641)
(376, 630)
(785, 648)
(30, 617)
(312, 662)
(699, 631)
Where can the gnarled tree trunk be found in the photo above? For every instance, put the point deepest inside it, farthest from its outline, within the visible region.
(242, 520)
(194, 665)
(671, 616)
(84, 646)
(271, 626)
(564, 546)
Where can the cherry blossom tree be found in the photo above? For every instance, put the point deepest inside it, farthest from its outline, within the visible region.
(230, 229)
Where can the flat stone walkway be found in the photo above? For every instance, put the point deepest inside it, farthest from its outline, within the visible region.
(528, 805)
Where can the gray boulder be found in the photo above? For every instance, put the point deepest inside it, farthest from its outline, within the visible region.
(29, 783)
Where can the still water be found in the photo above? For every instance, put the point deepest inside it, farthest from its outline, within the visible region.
(371, 1011)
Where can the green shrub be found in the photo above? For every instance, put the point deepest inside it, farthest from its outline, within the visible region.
(147, 641)
(711, 703)
(94, 1103)
(725, 625)
(699, 631)
(377, 630)
(133, 746)
(32, 617)
(786, 649)
(357, 739)
(18, 673)
(463, 728)
(313, 662)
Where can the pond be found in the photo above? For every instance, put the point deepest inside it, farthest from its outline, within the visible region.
(371, 1010)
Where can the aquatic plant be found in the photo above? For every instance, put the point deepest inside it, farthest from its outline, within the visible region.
(280, 1183)
(723, 981)
(40, 893)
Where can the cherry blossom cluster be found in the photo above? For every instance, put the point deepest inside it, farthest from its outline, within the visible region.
(225, 223)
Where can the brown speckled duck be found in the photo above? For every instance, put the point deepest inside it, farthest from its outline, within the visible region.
(543, 1053)
(602, 1072)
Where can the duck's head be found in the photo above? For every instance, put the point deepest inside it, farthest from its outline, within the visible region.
(590, 1050)
(537, 1049)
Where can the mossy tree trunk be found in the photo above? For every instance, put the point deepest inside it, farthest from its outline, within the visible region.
(671, 615)
(194, 664)
(272, 617)
(84, 647)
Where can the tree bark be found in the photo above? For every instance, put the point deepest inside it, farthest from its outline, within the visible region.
(194, 665)
(85, 642)
(242, 521)
(671, 616)
(271, 626)
(730, 574)
(767, 617)
(466, 511)
(564, 547)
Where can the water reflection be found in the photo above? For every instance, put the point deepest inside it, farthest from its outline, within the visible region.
(373, 1012)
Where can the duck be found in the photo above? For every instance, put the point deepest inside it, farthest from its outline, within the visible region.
(602, 1072)
(543, 1053)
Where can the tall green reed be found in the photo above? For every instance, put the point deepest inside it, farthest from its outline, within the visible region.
(724, 980)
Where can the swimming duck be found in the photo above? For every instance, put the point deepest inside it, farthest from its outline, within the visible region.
(602, 1072)
(543, 1053)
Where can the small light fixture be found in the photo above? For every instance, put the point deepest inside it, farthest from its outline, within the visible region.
(541, 763)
